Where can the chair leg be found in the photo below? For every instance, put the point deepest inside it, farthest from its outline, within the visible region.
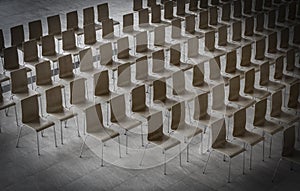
(263, 152)
(19, 134)
(61, 134)
(144, 154)
(55, 142)
(165, 162)
(119, 146)
(244, 156)
(126, 142)
(102, 148)
(81, 149)
(16, 115)
(6, 112)
(229, 170)
(271, 140)
(250, 158)
(142, 135)
(187, 153)
(206, 162)
(180, 155)
(77, 124)
(38, 143)
(201, 146)
(276, 169)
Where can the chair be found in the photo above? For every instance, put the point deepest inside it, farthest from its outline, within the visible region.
(213, 17)
(236, 37)
(89, 18)
(175, 58)
(123, 54)
(48, 48)
(209, 45)
(137, 5)
(280, 76)
(203, 22)
(249, 29)
(265, 82)
(17, 36)
(158, 138)
(179, 126)
(272, 50)
(223, 42)
(220, 145)
(169, 11)
(193, 6)
(176, 35)
(249, 88)
(32, 119)
(144, 23)
(193, 54)
(284, 38)
(142, 72)
(230, 67)
(103, 13)
(237, 9)
(120, 118)
(198, 81)
(108, 33)
(11, 60)
(90, 36)
(179, 90)
(290, 64)
(30, 53)
(260, 25)
(78, 95)
(86, 65)
(156, 16)
(260, 122)
(226, 14)
(160, 38)
(96, 129)
(289, 152)
(43, 75)
(141, 44)
(234, 96)
(180, 8)
(72, 22)
(69, 43)
(158, 64)
(242, 134)
(124, 82)
(260, 57)
(54, 26)
(246, 63)
(293, 102)
(247, 9)
(296, 39)
(55, 108)
(190, 25)
(277, 114)
(215, 76)
(128, 25)
(35, 30)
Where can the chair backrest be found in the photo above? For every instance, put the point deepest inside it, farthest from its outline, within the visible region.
(176, 28)
(156, 14)
(272, 42)
(178, 115)
(193, 47)
(237, 31)
(278, 74)
(106, 54)
(288, 147)
(54, 100)
(175, 53)
(239, 123)
(222, 33)
(180, 8)
(123, 48)
(260, 112)
(249, 81)
(160, 90)
(264, 73)
(94, 119)
(11, 58)
(101, 83)
(296, 38)
(247, 7)
(30, 109)
(203, 4)
(178, 79)
(141, 42)
(234, 88)
(218, 133)
(72, 20)
(209, 41)
(260, 48)
(141, 67)
(159, 35)
(213, 15)
(168, 10)
(246, 55)
(77, 91)
(138, 99)
(198, 75)
(65, 65)
(124, 75)
(290, 60)
(103, 12)
(271, 19)
(226, 11)
(17, 35)
(294, 95)
(190, 24)
(2, 44)
(137, 5)
(218, 95)
(128, 22)
(260, 22)
(107, 28)
(86, 60)
(158, 61)
(231, 62)
(215, 68)
(143, 17)
(281, 13)
(258, 5)
(48, 45)
(201, 106)
(155, 127)
(203, 19)
(19, 81)
(35, 30)
(249, 26)
(88, 16)
(117, 108)
(68, 40)
(54, 25)
(292, 10)
(284, 38)
(276, 103)
(89, 33)
(237, 9)
(43, 73)
(193, 5)
(30, 51)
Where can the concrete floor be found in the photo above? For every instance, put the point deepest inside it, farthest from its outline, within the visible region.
(61, 169)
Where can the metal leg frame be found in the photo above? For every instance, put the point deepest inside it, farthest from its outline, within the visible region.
(276, 169)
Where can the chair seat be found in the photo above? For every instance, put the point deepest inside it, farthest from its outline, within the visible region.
(106, 97)
(188, 131)
(229, 47)
(128, 123)
(74, 51)
(273, 86)
(287, 80)
(83, 105)
(53, 58)
(95, 45)
(226, 110)
(39, 124)
(199, 59)
(6, 104)
(63, 115)
(33, 63)
(186, 95)
(104, 134)
(21, 96)
(148, 80)
(214, 53)
(166, 142)
(243, 102)
(259, 94)
(3, 78)
(205, 87)
(130, 59)
(113, 66)
(250, 138)
(79, 31)
(229, 149)
(145, 113)
(286, 118)
(164, 73)
(270, 127)
(294, 158)
(221, 79)
(183, 66)
(167, 104)
(207, 120)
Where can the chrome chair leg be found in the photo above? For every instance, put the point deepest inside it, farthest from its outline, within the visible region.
(16, 115)
(165, 162)
(271, 140)
(38, 143)
(102, 148)
(81, 149)
(229, 170)
(55, 142)
(61, 134)
(250, 158)
(19, 134)
(187, 152)
(119, 146)
(77, 124)
(144, 154)
(206, 162)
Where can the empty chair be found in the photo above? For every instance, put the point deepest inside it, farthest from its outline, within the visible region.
(96, 129)
(65, 67)
(103, 13)
(220, 145)
(209, 45)
(17, 36)
(242, 134)
(179, 90)
(291, 67)
(157, 137)
(296, 39)
(137, 5)
(231, 62)
(198, 78)
(160, 37)
(141, 44)
(108, 32)
(55, 108)
(142, 74)
(48, 48)
(260, 24)
(278, 114)
(176, 35)
(265, 82)
(249, 88)
(249, 29)
(54, 26)
(32, 119)
(72, 22)
(160, 98)
(280, 76)
(101, 87)
(190, 25)
(175, 58)
(169, 10)
(124, 81)
(215, 72)
(213, 17)
(193, 5)
(106, 57)
(120, 118)
(260, 122)
(237, 9)
(90, 36)
(144, 22)
(158, 64)
(293, 102)
(89, 18)
(30, 53)
(128, 24)
(156, 16)
(123, 54)
(180, 8)
(86, 65)
(203, 22)
(193, 54)
(236, 37)
(35, 30)
(69, 43)
(78, 95)
(223, 42)
(246, 63)
(226, 13)
(11, 59)
(289, 152)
